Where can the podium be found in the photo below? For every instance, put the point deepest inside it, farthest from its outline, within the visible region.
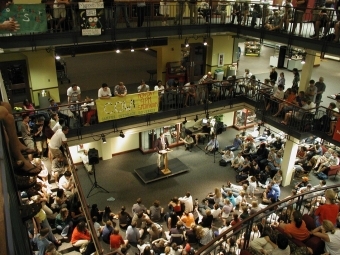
(166, 170)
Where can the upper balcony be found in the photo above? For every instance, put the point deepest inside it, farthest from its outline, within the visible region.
(147, 23)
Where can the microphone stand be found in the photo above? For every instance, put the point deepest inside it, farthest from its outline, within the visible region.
(95, 184)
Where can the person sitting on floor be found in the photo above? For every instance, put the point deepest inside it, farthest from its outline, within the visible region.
(237, 161)
(237, 142)
(212, 145)
(188, 142)
(228, 156)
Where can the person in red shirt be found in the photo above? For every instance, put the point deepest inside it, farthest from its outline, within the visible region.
(116, 241)
(328, 211)
(296, 228)
(80, 236)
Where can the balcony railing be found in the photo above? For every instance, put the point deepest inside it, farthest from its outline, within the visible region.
(268, 17)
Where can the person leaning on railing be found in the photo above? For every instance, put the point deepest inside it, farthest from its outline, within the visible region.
(306, 107)
(330, 235)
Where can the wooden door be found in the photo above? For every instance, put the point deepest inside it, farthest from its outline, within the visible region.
(196, 60)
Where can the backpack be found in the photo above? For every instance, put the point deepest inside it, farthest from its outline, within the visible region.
(223, 163)
(322, 176)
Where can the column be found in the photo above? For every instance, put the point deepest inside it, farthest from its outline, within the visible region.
(307, 70)
(288, 160)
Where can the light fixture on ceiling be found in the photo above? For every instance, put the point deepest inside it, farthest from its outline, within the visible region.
(117, 50)
(303, 60)
(205, 41)
(121, 134)
(196, 118)
(103, 138)
(146, 47)
(57, 57)
(186, 42)
(132, 49)
(185, 120)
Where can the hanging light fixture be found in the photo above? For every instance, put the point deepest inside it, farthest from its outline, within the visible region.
(103, 138)
(205, 41)
(121, 134)
(146, 47)
(132, 49)
(57, 57)
(186, 42)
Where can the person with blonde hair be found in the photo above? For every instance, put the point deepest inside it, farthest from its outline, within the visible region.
(330, 235)
(226, 210)
(328, 211)
(203, 234)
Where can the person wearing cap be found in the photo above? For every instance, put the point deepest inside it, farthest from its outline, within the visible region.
(304, 182)
(104, 92)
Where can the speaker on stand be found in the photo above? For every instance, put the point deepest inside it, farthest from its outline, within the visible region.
(93, 160)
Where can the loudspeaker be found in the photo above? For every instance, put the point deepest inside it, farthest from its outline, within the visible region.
(282, 56)
(93, 156)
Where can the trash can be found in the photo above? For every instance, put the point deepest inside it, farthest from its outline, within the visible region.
(219, 74)
(43, 99)
(231, 70)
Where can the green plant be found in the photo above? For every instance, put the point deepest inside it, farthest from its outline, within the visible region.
(218, 118)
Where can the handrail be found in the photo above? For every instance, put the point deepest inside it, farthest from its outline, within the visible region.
(84, 204)
(296, 200)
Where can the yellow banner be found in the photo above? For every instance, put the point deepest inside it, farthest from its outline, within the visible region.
(130, 105)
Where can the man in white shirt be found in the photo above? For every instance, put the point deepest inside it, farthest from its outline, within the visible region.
(58, 125)
(85, 159)
(58, 139)
(188, 202)
(104, 92)
(66, 183)
(59, 12)
(73, 93)
(143, 87)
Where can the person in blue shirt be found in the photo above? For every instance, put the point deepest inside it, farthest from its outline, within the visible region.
(236, 144)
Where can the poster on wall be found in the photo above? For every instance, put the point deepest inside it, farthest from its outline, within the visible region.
(92, 18)
(130, 105)
(30, 17)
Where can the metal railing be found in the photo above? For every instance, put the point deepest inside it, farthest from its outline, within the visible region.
(255, 14)
(305, 202)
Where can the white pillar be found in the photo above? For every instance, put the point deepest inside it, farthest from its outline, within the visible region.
(307, 70)
(288, 160)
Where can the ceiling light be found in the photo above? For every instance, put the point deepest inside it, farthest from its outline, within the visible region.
(205, 41)
(196, 119)
(117, 50)
(103, 138)
(121, 134)
(57, 57)
(303, 61)
(146, 47)
(132, 49)
(186, 42)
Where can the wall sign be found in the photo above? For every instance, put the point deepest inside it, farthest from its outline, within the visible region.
(31, 18)
(92, 20)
